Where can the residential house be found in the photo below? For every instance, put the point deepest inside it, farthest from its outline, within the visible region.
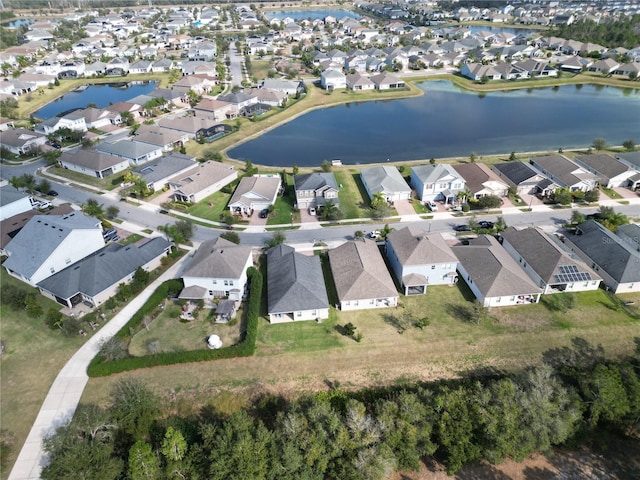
(615, 258)
(202, 180)
(387, 81)
(72, 121)
(290, 87)
(135, 152)
(495, 278)
(255, 193)
(48, 244)
(520, 175)
(96, 278)
(218, 269)
(631, 70)
(315, 189)
(193, 127)
(13, 202)
(419, 259)
(361, 277)
(266, 96)
(611, 173)
(548, 262)
(604, 66)
(295, 286)
(162, 137)
(436, 182)
(564, 172)
(162, 65)
(477, 71)
(537, 68)
(386, 180)
(478, 181)
(20, 140)
(355, 81)
(141, 66)
(99, 118)
(160, 171)
(213, 109)
(92, 163)
(240, 103)
(333, 79)
(199, 84)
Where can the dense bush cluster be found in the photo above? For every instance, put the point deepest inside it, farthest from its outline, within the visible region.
(355, 435)
(106, 363)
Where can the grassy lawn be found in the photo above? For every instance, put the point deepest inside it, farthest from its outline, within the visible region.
(354, 201)
(303, 356)
(133, 238)
(109, 183)
(283, 212)
(34, 355)
(172, 334)
(259, 68)
(610, 192)
(419, 206)
(211, 207)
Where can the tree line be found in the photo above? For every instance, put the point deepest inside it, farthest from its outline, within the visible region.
(365, 435)
(610, 33)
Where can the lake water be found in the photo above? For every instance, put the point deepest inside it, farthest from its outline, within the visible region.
(19, 23)
(312, 14)
(449, 122)
(102, 95)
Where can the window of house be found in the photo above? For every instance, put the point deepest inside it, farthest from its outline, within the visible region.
(314, 313)
(53, 270)
(498, 299)
(512, 299)
(298, 314)
(226, 283)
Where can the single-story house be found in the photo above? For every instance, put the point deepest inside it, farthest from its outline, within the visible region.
(520, 175)
(96, 277)
(160, 171)
(295, 286)
(547, 262)
(50, 243)
(255, 193)
(201, 181)
(387, 81)
(93, 163)
(361, 277)
(495, 278)
(616, 258)
(386, 180)
(436, 182)
(478, 181)
(20, 140)
(135, 152)
(610, 171)
(218, 269)
(355, 81)
(564, 172)
(314, 189)
(162, 137)
(418, 260)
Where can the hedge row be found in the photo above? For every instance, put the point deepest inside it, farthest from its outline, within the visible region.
(99, 368)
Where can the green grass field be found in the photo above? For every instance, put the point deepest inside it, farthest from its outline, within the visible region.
(211, 207)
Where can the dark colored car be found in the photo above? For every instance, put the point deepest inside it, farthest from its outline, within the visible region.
(264, 213)
(110, 232)
(485, 224)
(462, 228)
(56, 146)
(53, 193)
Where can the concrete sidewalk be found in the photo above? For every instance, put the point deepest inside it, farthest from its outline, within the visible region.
(65, 393)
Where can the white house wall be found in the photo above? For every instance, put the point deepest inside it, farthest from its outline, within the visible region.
(14, 208)
(367, 303)
(302, 315)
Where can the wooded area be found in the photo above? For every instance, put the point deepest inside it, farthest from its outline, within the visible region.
(357, 435)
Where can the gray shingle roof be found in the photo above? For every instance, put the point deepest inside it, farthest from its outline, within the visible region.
(165, 167)
(542, 254)
(96, 161)
(610, 252)
(40, 237)
(384, 179)
(516, 172)
(294, 281)
(127, 148)
(9, 194)
(561, 168)
(104, 268)
(254, 188)
(414, 247)
(604, 164)
(493, 270)
(433, 173)
(313, 181)
(218, 258)
(359, 272)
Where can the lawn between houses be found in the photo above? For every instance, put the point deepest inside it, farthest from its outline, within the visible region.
(307, 356)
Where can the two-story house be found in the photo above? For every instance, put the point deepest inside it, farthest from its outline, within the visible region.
(314, 189)
(437, 182)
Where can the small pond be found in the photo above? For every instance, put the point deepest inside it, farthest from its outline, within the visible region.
(312, 14)
(101, 95)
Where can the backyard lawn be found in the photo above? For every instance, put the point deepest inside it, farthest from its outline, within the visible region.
(167, 333)
(304, 356)
(211, 207)
(354, 202)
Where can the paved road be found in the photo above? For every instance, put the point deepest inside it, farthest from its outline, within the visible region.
(236, 66)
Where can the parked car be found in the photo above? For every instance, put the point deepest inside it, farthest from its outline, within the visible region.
(374, 234)
(109, 232)
(485, 224)
(44, 204)
(433, 206)
(57, 146)
(264, 213)
(312, 211)
(462, 228)
(52, 193)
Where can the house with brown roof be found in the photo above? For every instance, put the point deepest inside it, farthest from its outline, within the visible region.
(201, 181)
(213, 109)
(478, 181)
(547, 262)
(419, 259)
(162, 137)
(361, 277)
(255, 193)
(495, 278)
(218, 269)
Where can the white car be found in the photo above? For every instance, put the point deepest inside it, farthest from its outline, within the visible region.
(432, 205)
(374, 234)
(312, 211)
